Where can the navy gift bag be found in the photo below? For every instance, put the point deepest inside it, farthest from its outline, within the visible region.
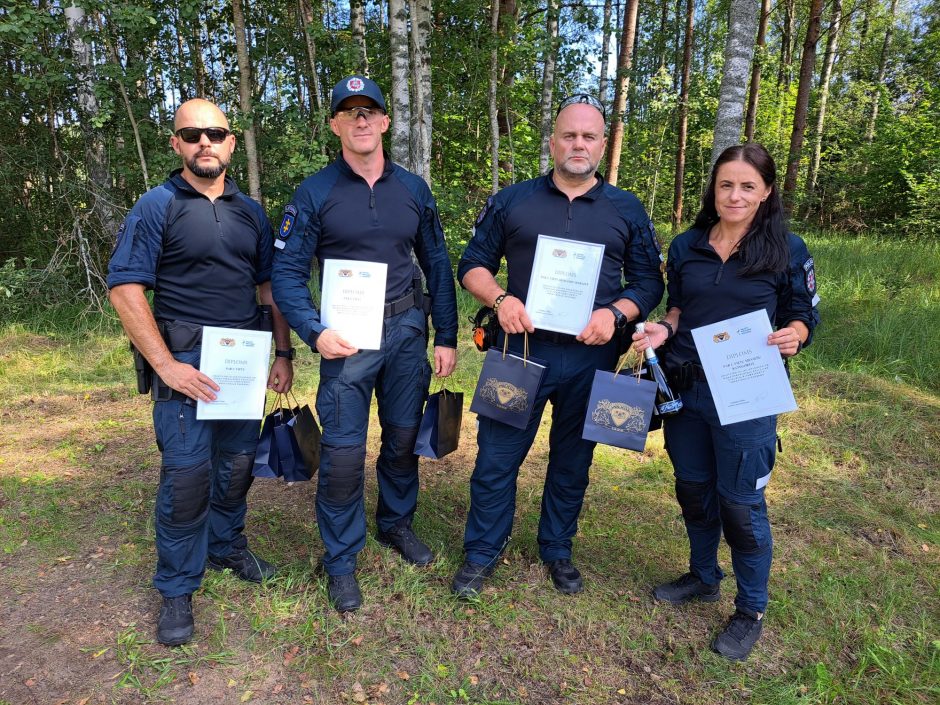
(619, 410)
(507, 386)
(439, 431)
(289, 444)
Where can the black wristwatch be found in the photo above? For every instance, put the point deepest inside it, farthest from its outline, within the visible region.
(620, 321)
(290, 353)
(670, 331)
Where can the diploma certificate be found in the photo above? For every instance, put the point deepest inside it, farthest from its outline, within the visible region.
(237, 361)
(745, 374)
(353, 300)
(563, 284)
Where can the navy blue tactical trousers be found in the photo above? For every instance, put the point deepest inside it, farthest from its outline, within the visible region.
(501, 450)
(721, 473)
(399, 373)
(204, 481)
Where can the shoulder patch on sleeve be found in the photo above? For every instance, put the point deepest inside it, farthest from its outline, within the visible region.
(655, 239)
(486, 209)
(287, 222)
(809, 274)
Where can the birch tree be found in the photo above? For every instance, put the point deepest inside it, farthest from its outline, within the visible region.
(739, 52)
(879, 80)
(357, 28)
(422, 105)
(401, 70)
(492, 95)
(832, 44)
(751, 118)
(548, 84)
(683, 116)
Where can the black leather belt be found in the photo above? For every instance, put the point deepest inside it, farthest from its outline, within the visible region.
(550, 336)
(409, 300)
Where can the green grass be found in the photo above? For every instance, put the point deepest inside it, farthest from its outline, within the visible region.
(855, 503)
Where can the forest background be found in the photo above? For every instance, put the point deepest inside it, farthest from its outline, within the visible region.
(844, 93)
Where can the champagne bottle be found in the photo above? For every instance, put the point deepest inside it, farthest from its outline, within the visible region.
(667, 403)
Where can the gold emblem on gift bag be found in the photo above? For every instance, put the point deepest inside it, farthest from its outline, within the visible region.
(618, 416)
(505, 395)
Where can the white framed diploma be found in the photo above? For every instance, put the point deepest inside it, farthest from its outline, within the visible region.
(746, 375)
(352, 301)
(563, 284)
(237, 361)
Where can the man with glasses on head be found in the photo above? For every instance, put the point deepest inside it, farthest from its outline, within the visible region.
(572, 202)
(364, 207)
(205, 250)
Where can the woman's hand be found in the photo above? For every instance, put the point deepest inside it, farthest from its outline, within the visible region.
(787, 341)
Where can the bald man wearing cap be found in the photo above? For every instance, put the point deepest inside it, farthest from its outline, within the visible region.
(572, 202)
(205, 250)
(364, 207)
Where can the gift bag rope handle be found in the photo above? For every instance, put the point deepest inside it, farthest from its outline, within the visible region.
(525, 346)
(637, 366)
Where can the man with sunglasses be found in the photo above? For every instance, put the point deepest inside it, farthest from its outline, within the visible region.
(205, 250)
(571, 202)
(364, 207)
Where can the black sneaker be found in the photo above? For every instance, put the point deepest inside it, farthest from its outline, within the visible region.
(739, 637)
(175, 625)
(687, 588)
(468, 581)
(403, 540)
(245, 564)
(565, 576)
(344, 592)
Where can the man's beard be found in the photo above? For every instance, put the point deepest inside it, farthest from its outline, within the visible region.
(579, 173)
(205, 172)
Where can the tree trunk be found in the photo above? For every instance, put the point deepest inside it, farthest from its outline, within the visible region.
(494, 80)
(401, 69)
(751, 118)
(96, 155)
(807, 67)
(832, 45)
(244, 101)
(422, 108)
(115, 59)
(739, 52)
(605, 54)
(548, 84)
(786, 44)
(683, 116)
(313, 79)
(882, 69)
(508, 17)
(357, 28)
(624, 62)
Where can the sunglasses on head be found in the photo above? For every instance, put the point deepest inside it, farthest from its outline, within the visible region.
(583, 98)
(192, 135)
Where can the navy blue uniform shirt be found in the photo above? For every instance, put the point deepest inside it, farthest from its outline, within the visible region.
(707, 290)
(513, 219)
(334, 214)
(203, 259)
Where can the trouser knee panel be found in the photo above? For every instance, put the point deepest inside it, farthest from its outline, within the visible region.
(240, 478)
(342, 483)
(691, 497)
(189, 491)
(741, 526)
(398, 447)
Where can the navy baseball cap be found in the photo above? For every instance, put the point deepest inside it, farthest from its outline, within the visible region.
(356, 85)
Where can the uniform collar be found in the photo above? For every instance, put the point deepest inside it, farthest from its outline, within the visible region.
(590, 195)
(176, 176)
(387, 168)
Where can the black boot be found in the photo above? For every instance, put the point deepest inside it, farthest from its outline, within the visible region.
(175, 625)
(344, 592)
(687, 588)
(468, 581)
(403, 540)
(244, 564)
(565, 576)
(739, 636)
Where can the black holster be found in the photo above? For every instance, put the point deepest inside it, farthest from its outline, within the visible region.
(142, 370)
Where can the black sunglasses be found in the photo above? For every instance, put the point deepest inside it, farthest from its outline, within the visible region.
(583, 98)
(192, 135)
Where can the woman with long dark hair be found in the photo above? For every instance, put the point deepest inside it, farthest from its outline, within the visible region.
(737, 258)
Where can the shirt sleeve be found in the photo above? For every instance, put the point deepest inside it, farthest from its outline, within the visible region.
(294, 249)
(431, 251)
(139, 242)
(797, 294)
(486, 247)
(265, 246)
(673, 278)
(641, 267)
